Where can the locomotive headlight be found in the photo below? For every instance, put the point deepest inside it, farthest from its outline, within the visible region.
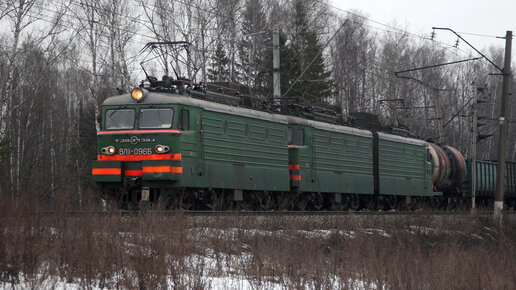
(110, 150)
(162, 149)
(138, 94)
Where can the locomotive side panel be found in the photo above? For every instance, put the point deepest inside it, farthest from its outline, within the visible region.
(343, 162)
(403, 167)
(244, 153)
(331, 158)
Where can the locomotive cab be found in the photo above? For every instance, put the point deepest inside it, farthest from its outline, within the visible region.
(138, 150)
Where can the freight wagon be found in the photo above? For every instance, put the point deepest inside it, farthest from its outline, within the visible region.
(485, 181)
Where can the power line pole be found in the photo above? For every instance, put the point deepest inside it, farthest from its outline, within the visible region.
(506, 92)
(440, 121)
(276, 83)
(502, 143)
(475, 136)
(473, 146)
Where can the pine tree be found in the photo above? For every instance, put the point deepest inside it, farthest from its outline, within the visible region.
(219, 71)
(252, 49)
(304, 47)
(290, 68)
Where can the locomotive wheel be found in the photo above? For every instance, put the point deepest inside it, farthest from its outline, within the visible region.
(223, 200)
(185, 200)
(370, 203)
(263, 200)
(211, 199)
(405, 203)
(352, 202)
(316, 201)
(282, 201)
(174, 199)
(390, 202)
(331, 203)
(419, 204)
(434, 203)
(300, 202)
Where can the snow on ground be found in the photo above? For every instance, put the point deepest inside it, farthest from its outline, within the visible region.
(235, 283)
(233, 233)
(208, 269)
(207, 281)
(213, 270)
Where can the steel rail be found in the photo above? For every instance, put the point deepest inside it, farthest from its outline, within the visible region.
(270, 213)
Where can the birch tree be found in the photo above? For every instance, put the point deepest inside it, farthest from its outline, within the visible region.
(90, 30)
(253, 46)
(19, 17)
(121, 28)
(353, 66)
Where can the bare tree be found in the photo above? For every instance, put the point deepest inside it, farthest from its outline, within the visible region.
(160, 15)
(393, 55)
(253, 47)
(90, 30)
(20, 18)
(203, 41)
(20, 87)
(121, 28)
(353, 56)
(228, 23)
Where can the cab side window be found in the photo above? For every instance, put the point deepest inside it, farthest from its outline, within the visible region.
(184, 120)
(301, 137)
(295, 136)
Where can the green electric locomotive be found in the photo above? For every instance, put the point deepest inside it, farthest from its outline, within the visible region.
(193, 147)
(154, 145)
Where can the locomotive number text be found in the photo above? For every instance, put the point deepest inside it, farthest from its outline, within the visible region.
(135, 151)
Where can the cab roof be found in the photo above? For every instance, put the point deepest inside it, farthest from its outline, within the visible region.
(177, 99)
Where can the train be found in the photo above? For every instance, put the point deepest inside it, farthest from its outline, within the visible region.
(211, 146)
(165, 142)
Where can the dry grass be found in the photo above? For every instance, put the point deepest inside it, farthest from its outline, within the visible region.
(156, 251)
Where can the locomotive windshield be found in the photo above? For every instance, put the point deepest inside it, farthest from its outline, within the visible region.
(155, 118)
(119, 119)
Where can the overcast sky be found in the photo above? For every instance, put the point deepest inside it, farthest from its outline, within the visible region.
(486, 17)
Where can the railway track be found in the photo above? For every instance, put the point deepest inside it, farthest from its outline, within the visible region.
(275, 213)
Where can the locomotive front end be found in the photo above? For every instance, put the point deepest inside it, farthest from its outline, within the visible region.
(138, 152)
